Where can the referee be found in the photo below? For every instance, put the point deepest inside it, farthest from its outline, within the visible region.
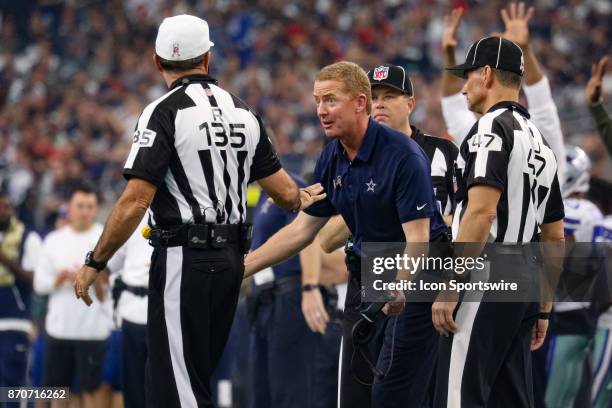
(508, 192)
(194, 151)
(392, 103)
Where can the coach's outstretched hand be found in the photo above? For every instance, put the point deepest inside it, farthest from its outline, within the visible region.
(85, 277)
(308, 196)
(593, 87)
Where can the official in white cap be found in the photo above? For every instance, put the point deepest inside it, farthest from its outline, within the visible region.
(194, 151)
(182, 38)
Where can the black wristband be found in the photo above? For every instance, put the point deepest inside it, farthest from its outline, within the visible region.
(309, 286)
(89, 261)
(544, 316)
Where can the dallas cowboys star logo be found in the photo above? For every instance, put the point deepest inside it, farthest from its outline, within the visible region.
(338, 182)
(370, 185)
(264, 207)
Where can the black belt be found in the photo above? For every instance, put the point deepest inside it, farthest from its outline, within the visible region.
(288, 283)
(203, 236)
(279, 286)
(119, 286)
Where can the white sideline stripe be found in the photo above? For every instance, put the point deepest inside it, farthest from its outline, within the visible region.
(172, 314)
(466, 315)
(340, 370)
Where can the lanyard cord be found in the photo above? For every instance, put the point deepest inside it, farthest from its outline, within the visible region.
(371, 366)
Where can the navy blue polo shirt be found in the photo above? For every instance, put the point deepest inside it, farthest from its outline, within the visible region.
(267, 220)
(387, 184)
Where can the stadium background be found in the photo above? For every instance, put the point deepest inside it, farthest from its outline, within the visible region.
(74, 75)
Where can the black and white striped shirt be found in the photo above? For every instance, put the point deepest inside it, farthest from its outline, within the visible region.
(200, 146)
(505, 150)
(442, 155)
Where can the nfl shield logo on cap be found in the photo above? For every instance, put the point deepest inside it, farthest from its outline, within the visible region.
(175, 50)
(381, 73)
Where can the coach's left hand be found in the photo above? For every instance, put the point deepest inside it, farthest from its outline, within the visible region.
(395, 306)
(85, 277)
(442, 312)
(310, 195)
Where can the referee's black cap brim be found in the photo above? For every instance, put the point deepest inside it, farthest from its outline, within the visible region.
(461, 70)
(496, 52)
(386, 85)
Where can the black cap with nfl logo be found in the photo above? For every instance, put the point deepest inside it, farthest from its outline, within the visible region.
(497, 52)
(392, 76)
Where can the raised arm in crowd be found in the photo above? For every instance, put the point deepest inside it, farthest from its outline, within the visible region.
(594, 98)
(459, 120)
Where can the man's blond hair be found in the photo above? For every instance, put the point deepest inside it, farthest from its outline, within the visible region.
(354, 79)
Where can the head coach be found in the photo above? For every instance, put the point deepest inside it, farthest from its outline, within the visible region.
(393, 101)
(375, 177)
(508, 192)
(407, 365)
(194, 151)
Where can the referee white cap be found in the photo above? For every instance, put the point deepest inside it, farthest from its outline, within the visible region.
(182, 37)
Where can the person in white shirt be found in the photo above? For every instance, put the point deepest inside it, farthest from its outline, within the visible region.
(76, 342)
(458, 118)
(131, 264)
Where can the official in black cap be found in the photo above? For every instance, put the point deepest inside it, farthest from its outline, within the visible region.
(496, 52)
(508, 193)
(392, 103)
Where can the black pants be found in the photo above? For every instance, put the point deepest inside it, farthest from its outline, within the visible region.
(192, 300)
(404, 349)
(14, 346)
(133, 360)
(488, 362)
(67, 359)
(356, 376)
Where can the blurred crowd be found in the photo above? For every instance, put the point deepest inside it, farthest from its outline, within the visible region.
(74, 75)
